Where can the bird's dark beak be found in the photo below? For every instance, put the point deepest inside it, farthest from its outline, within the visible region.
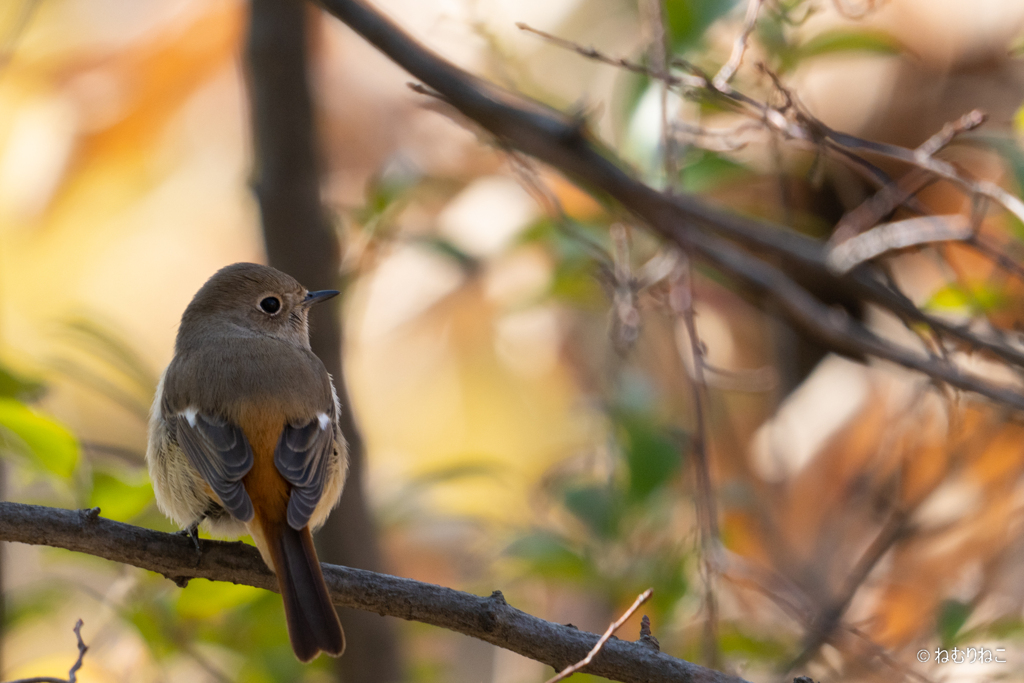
(317, 297)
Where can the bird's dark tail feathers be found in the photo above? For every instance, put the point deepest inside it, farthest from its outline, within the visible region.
(313, 624)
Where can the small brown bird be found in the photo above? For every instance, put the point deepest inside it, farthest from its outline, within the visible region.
(244, 435)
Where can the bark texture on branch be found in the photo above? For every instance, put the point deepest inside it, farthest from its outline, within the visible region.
(488, 618)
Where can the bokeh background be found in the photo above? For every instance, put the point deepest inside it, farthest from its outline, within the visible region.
(528, 426)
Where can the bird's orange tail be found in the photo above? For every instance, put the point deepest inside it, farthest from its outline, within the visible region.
(313, 624)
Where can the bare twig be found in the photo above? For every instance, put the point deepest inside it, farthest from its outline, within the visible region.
(937, 142)
(82, 649)
(73, 672)
(681, 299)
(888, 237)
(713, 140)
(796, 123)
(530, 179)
(938, 167)
(420, 89)
(654, 26)
(623, 288)
(681, 295)
(894, 194)
(829, 619)
(592, 53)
(615, 625)
(886, 200)
(775, 589)
(883, 655)
(823, 618)
(739, 47)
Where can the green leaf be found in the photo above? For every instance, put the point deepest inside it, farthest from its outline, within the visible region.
(1004, 629)
(737, 643)
(575, 250)
(979, 299)
(14, 386)
(950, 297)
(388, 187)
(575, 282)
(447, 248)
(953, 615)
(846, 40)
(653, 458)
(709, 171)
(455, 472)
(154, 625)
(119, 499)
(688, 20)
(548, 555)
(46, 443)
(772, 35)
(541, 230)
(596, 506)
(588, 678)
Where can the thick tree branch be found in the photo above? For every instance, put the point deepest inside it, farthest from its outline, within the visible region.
(734, 244)
(490, 619)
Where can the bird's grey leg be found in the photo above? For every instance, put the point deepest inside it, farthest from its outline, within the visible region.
(193, 532)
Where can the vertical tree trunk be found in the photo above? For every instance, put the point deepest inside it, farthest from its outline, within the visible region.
(301, 241)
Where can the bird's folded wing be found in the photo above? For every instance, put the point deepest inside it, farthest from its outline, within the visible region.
(301, 456)
(221, 454)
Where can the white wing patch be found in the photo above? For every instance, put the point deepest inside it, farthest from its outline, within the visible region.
(190, 415)
(324, 419)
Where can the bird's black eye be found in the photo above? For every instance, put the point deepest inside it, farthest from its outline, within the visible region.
(270, 305)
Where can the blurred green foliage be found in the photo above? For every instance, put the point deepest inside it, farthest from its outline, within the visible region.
(614, 536)
(15, 386)
(688, 20)
(952, 616)
(208, 616)
(788, 48)
(979, 299)
(121, 495)
(38, 440)
(33, 439)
